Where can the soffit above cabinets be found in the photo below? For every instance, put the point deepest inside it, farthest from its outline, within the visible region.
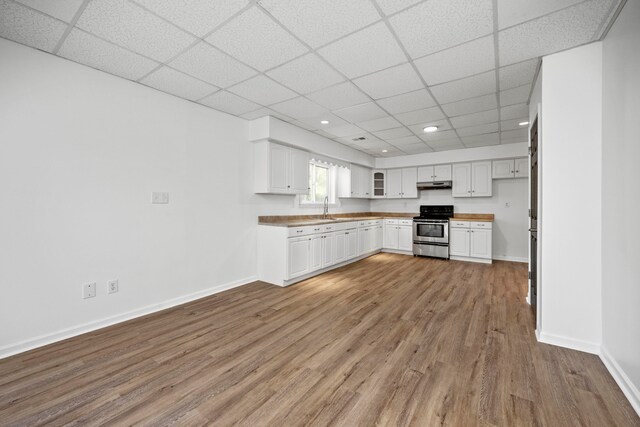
(375, 69)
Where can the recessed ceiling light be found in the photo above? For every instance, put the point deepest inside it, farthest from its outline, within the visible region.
(523, 123)
(324, 122)
(430, 129)
(384, 151)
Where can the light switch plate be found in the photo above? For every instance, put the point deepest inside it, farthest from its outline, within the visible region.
(89, 290)
(159, 198)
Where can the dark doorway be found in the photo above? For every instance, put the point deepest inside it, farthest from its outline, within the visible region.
(533, 229)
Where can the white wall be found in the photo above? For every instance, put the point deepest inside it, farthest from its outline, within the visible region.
(80, 153)
(621, 201)
(570, 212)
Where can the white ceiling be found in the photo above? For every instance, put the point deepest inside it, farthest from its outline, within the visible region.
(379, 69)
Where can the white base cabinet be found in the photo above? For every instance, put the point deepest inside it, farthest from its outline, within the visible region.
(470, 241)
(398, 235)
(287, 255)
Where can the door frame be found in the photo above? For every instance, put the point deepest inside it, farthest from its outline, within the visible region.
(537, 119)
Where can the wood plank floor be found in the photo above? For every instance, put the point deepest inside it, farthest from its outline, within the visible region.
(389, 340)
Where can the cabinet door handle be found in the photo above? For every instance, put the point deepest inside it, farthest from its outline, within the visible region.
(288, 186)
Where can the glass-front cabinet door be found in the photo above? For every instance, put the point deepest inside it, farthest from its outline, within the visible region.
(379, 184)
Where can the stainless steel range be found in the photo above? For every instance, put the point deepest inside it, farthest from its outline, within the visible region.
(431, 231)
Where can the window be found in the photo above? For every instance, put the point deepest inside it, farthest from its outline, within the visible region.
(321, 183)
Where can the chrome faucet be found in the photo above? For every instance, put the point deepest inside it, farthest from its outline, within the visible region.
(325, 212)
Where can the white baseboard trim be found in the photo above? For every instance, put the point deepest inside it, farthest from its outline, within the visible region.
(560, 341)
(511, 258)
(43, 340)
(628, 388)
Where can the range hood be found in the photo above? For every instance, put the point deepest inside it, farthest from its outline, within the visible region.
(433, 185)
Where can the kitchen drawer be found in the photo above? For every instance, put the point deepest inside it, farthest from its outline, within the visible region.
(459, 224)
(370, 223)
(405, 222)
(349, 225)
(304, 231)
(481, 224)
(331, 227)
(391, 221)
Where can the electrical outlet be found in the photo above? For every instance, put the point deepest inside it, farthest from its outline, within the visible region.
(89, 290)
(112, 286)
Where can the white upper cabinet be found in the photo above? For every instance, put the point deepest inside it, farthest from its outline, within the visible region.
(409, 183)
(511, 168)
(461, 185)
(299, 170)
(394, 183)
(481, 179)
(401, 183)
(503, 169)
(360, 182)
(379, 184)
(472, 179)
(434, 173)
(280, 169)
(521, 167)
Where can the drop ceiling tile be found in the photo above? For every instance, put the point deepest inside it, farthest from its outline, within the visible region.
(439, 24)
(518, 134)
(262, 90)
(567, 28)
(393, 133)
(392, 81)
(89, 50)
(361, 112)
(176, 83)
(454, 144)
(515, 95)
(262, 112)
(513, 124)
(444, 130)
(417, 148)
(209, 64)
(441, 135)
(512, 12)
(340, 96)
(23, 25)
(478, 129)
(230, 103)
(392, 152)
(64, 10)
(355, 139)
(481, 140)
(390, 7)
(420, 116)
(469, 87)
(514, 111)
(344, 130)
(304, 125)
(364, 52)
(130, 26)
(404, 141)
(470, 58)
(196, 16)
(299, 108)
(320, 22)
(482, 117)
(323, 133)
(379, 124)
(255, 39)
(296, 74)
(315, 121)
(471, 105)
(518, 74)
(407, 102)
